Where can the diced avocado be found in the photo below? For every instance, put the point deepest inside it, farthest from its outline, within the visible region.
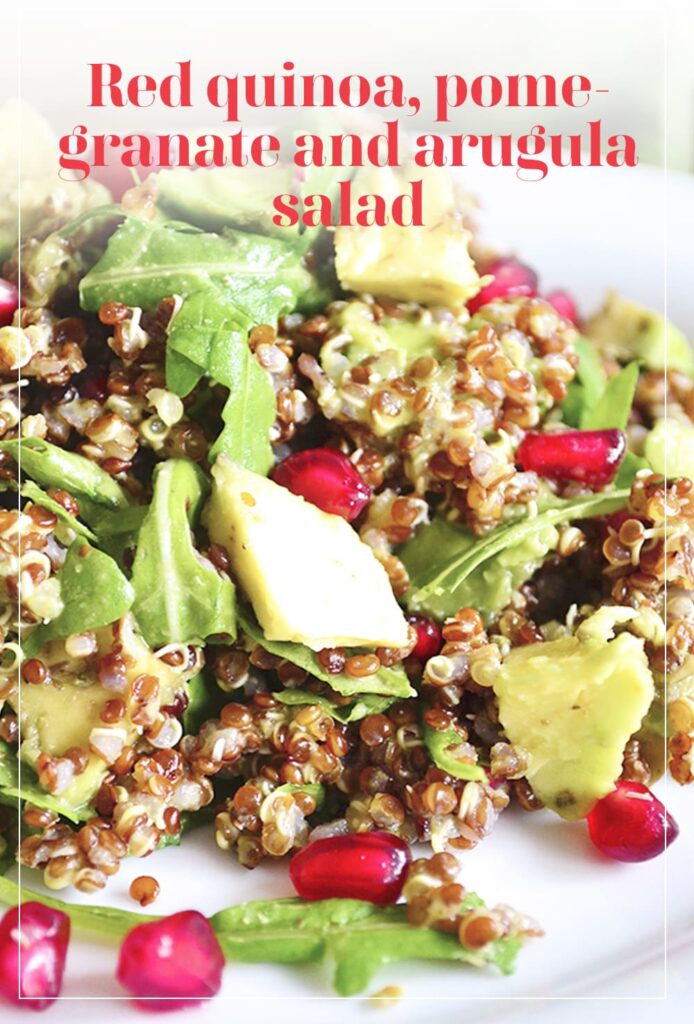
(57, 716)
(307, 574)
(429, 264)
(61, 714)
(361, 336)
(490, 587)
(217, 197)
(624, 330)
(669, 448)
(40, 196)
(571, 704)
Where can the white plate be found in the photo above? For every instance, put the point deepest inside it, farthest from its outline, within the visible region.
(605, 922)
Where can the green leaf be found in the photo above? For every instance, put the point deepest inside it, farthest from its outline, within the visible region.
(313, 789)
(585, 391)
(364, 705)
(630, 466)
(614, 405)
(51, 466)
(94, 592)
(116, 530)
(33, 493)
(105, 921)
(490, 588)
(450, 571)
(442, 746)
(205, 699)
(360, 938)
(248, 414)
(391, 682)
(179, 597)
(13, 789)
(229, 285)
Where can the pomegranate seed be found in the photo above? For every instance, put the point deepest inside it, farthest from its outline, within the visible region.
(170, 963)
(590, 456)
(429, 638)
(565, 306)
(631, 824)
(511, 279)
(92, 384)
(370, 866)
(33, 947)
(9, 301)
(326, 478)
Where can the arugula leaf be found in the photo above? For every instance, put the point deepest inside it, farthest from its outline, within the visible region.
(116, 530)
(364, 705)
(179, 597)
(205, 699)
(441, 747)
(229, 284)
(614, 405)
(51, 466)
(631, 464)
(12, 789)
(108, 921)
(34, 493)
(94, 592)
(491, 587)
(447, 573)
(359, 937)
(391, 682)
(8, 837)
(585, 391)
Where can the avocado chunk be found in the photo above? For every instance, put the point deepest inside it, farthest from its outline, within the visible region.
(429, 264)
(60, 714)
(213, 198)
(308, 576)
(624, 331)
(571, 704)
(669, 448)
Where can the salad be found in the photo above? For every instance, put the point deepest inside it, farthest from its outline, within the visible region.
(331, 544)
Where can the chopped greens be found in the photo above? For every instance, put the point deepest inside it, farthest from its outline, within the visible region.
(360, 938)
(14, 788)
(94, 593)
(447, 573)
(179, 596)
(228, 285)
(361, 707)
(442, 747)
(389, 682)
(51, 466)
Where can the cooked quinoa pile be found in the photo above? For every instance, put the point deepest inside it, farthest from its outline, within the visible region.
(264, 748)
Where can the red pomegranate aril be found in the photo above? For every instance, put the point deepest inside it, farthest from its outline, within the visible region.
(93, 384)
(326, 478)
(371, 866)
(9, 302)
(631, 824)
(173, 962)
(589, 456)
(564, 305)
(511, 279)
(33, 975)
(429, 638)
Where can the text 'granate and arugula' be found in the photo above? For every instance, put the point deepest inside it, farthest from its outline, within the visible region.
(391, 135)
